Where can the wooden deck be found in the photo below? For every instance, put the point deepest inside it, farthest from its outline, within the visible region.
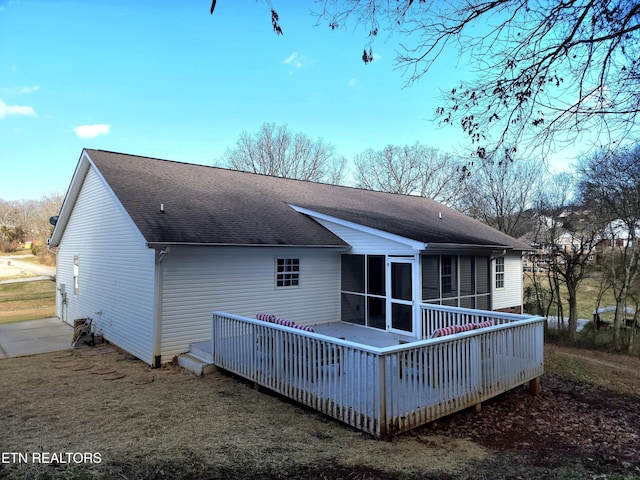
(360, 334)
(374, 381)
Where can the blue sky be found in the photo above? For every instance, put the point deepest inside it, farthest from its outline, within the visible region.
(166, 79)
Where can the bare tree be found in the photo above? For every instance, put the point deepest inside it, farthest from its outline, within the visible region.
(502, 194)
(610, 185)
(575, 241)
(276, 151)
(546, 71)
(411, 170)
(567, 236)
(22, 220)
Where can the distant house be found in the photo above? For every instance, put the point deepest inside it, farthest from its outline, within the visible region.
(149, 248)
(617, 235)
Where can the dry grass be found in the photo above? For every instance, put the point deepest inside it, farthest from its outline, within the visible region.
(217, 426)
(180, 423)
(610, 371)
(27, 301)
(24, 300)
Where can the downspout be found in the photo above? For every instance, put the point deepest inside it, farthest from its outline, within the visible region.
(499, 255)
(157, 310)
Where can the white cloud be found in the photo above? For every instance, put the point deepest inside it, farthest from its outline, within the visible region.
(353, 82)
(35, 88)
(19, 90)
(92, 131)
(295, 60)
(6, 110)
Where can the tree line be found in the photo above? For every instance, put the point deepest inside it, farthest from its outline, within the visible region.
(587, 226)
(500, 193)
(27, 221)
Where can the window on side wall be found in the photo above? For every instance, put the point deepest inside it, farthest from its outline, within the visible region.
(448, 276)
(75, 275)
(287, 272)
(500, 272)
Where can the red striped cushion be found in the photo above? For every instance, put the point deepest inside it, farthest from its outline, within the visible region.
(449, 330)
(267, 317)
(305, 328)
(282, 321)
(486, 323)
(465, 328)
(441, 332)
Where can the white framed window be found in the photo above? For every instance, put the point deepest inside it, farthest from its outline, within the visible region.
(287, 272)
(75, 275)
(500, 272)
(447, 276)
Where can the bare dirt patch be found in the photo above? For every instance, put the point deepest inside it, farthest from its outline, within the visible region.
(167, 423)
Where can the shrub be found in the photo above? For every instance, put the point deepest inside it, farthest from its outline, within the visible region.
(8, 247)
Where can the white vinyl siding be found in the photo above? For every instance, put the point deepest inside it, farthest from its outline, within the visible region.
(366, 243)
(511, 294)
(115, 270)
(199, 280)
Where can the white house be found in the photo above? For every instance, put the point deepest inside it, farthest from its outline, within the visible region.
(149, 248)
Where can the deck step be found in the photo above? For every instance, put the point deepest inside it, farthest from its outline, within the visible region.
(196, 365)
(202, 351)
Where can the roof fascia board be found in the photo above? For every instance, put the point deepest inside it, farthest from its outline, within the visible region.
(465, 246)
(248, 245)
(414, 244)
(70, 198)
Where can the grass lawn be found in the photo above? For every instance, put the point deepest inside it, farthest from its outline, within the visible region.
(587, 295)
(27, 301)
(168, 424)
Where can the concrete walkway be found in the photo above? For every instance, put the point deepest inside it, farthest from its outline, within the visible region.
(19, 339)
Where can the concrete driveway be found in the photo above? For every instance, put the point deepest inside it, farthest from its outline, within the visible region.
(33, 268)
(19, 339)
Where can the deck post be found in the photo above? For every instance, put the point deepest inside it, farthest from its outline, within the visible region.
(382, 395)
(534, 386)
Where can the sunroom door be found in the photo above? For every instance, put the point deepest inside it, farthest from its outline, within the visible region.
(400, 298)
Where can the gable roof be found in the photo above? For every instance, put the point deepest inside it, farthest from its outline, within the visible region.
(217, 206)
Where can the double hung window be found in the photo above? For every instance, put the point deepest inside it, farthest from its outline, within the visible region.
(500, 272)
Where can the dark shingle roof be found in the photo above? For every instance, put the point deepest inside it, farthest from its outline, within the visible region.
(209, 205)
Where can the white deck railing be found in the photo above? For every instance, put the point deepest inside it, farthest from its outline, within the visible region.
(439, 316)
(383, 391)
